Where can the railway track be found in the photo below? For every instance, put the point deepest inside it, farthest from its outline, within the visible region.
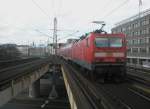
(125, 94)
(139, 68)
(110, 95)
(140, 81)
(9, 63)
(139, 76)
(14, 72)
(80, 96)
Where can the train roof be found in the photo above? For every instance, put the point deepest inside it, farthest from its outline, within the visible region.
(110, 34)
(67, 45)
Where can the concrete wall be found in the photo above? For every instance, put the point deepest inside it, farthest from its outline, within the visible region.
(17, 85)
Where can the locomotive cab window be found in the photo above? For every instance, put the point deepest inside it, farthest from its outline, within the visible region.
(115, 42)
(101, 42)
(108, 42)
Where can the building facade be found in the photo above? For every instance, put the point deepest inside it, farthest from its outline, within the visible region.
(137, 30)
(24, 50)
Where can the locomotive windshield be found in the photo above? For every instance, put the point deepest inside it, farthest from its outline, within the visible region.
(101, 42)
(108, 42)
(115, 42)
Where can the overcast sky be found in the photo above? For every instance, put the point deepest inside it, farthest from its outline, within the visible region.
(21, 20)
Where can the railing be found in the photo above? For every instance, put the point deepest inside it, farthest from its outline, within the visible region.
(139, 55)
(138, 67)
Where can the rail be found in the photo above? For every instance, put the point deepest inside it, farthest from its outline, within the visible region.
(139, 74)
(78, 90)
(8, 63)
(10, 73)
(96, 98)
(138, 67)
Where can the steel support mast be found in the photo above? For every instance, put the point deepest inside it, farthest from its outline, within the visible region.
(55, 35)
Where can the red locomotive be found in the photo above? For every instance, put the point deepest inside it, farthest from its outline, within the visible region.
(99, 53)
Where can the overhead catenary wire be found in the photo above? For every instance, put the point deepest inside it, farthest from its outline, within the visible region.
(116, 8)
(106, 5)
(36, 4)
(113, 10)
(108, 14)
(67, 36)
(43, 33)
(54, 6)
(45, 13)
(42, 10)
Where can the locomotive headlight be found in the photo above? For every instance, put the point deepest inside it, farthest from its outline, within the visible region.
(100, 54)
(119, 54)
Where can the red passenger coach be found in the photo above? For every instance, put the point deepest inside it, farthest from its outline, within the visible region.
(100, 54)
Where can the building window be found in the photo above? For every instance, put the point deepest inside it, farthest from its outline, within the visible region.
(128, 60)
(147, 31)
(145, 22)
(134, 50)
(135, 41)
(139, 24)
(144, 31)
(132, 33)
(136, 25)
(129, 42)
(123, 29)
(134, 61)
(129, 50)
(129, 27)
(133, 25)
(142, 41)
(143, 50)
(138, 33)
(129, 34)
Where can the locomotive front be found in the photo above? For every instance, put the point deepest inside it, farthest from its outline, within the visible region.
(109, 56)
